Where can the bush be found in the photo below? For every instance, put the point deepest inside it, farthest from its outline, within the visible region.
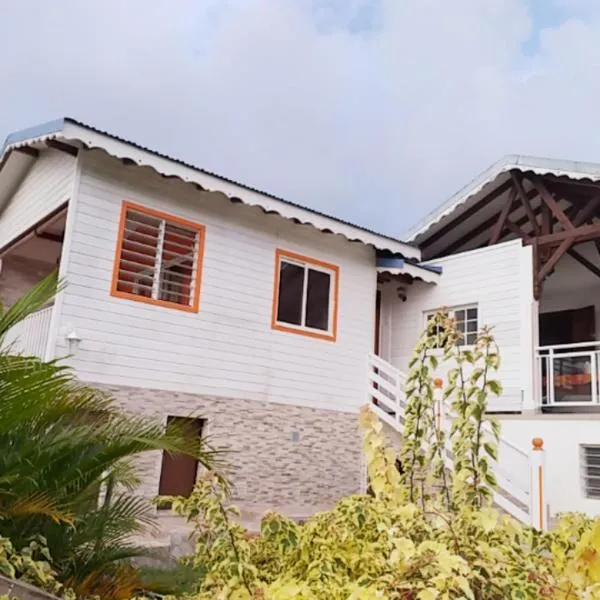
(423, 534)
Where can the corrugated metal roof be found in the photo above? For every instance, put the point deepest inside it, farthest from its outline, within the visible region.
(485, 181)
(71, 129)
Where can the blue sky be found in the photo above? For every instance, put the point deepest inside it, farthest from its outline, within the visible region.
(372, 110)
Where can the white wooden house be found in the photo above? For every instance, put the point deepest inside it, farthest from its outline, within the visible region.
(192, 296)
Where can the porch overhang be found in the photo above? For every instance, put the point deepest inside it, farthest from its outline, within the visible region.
(503, 203)
(396, 266)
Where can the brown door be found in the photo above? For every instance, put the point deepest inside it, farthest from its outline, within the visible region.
(377, 322)
(178, 471)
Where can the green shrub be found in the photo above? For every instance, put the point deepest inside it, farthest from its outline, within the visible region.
(423, 534)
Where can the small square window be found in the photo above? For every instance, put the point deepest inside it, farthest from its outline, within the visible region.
(466, 323)
(305, 298)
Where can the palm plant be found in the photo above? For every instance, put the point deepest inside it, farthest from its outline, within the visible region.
(62, 441)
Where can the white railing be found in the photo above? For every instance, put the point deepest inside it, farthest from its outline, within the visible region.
(30, 336)
(520, 480)
(568, 374)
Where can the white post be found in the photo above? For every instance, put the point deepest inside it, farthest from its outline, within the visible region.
(537, 511)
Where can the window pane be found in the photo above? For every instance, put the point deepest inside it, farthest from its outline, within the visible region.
(460, 326)
(138, 254)
(291, 284)
(471, 313)
(317, 300)
(471, 325)
(179, 249)
(471, 338)
(459, 315)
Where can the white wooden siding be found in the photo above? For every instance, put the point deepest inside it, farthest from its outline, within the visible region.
(498, 280)
(44, 189)
(228, 348)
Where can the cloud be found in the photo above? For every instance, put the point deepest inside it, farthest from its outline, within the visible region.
(374, 110)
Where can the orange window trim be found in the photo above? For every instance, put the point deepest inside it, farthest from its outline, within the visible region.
(197, 227)
(282, 254)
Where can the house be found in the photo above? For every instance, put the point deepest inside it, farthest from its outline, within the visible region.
(191, 296)
(520, 250)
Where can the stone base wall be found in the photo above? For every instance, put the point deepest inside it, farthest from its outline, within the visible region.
(18, 275)
(290, 458)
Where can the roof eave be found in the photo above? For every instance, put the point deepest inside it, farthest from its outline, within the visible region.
(69, 130)
(539, 165)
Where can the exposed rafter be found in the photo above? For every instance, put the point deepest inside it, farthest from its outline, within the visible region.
(502, 217)
(552, 204)
(58, 145)
(517, 179)
(582, 260)
(28, 151)
(485, 201)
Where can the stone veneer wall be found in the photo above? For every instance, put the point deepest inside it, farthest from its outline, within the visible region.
(290, 458)
(18, 275)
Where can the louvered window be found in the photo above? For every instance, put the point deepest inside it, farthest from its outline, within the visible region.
(158, 258)
(590, 471)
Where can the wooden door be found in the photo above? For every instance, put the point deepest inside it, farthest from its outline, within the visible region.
(178, 471)
(377, 345)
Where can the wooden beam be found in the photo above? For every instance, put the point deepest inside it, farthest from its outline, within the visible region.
(28, 151)
(550, 201)
(467, 237)
(31, 230)
(556, 256)
(594, 186)
(546, 219)
(578, 235)
(468, 213)
(502, 217)
(51, 237)
(484, 226)
(516, 177)
(587, 211)
(57, 145)
(537, 284)
(582, 260)
(514, 228)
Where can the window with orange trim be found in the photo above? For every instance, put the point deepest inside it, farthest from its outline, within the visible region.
(305, 295)
(158, 258)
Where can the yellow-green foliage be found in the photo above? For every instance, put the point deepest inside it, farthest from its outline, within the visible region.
(403, 541)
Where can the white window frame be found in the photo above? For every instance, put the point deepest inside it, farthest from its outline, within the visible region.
(451, 310)
(316, 265)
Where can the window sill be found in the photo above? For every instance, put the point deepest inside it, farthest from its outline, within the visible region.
(329, 337)
(163, 303)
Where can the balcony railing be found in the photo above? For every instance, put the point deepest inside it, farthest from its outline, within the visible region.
(30, 336)
(568, 374)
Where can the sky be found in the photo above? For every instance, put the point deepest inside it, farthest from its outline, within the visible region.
(375, 111)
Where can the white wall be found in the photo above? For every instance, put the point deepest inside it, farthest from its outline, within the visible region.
(228, 348)
(572, 285)
(498, 279)
(44, 189)
(562, 437)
